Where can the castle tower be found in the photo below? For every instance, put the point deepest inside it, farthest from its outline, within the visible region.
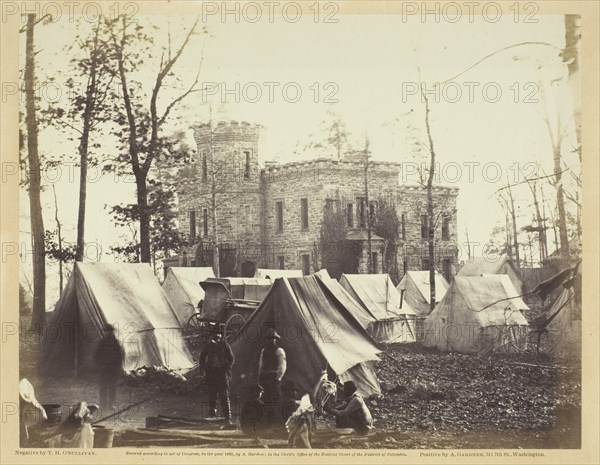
(226, 176)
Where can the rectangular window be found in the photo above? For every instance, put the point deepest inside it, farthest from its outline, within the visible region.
(350, 216)
(405, 265)
(279, 216)
(204, 168)
(192, 224)
(304, 213)
(403, 226)
(329, 205)
(446, 227)
(205, 221)
(425, 264)
(361, 216)
(247, 166)
(372, 210)
(447, 269)
(306, 264)
(281, 262)
(424, 227)
(374, 259)
(247, 219)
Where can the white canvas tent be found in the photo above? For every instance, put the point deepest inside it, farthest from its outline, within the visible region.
(376, 294)
(479, 266)
(414, 291)
(127, 296)
(318, 333)
(478, 315)
(182, 288)
(273, 274)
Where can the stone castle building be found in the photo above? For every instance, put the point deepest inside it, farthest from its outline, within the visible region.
(272, 217)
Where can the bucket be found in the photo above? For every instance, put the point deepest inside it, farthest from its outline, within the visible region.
(103, 437)
(53, 412)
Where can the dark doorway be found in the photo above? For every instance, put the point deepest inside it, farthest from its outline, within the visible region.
(248, 269)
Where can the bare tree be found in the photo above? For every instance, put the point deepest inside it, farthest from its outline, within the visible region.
(335, 136)
(508, 201)
(540, 219)
(144, 125)
(38, 319)
(557, 135)
(99, 78)
(430, 205)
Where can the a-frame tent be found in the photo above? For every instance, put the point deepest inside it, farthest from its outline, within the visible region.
(478, 314)
(182, 287)
(479, 266)
(127, 296)
(317, 333)
(378, 296)
(414, 291)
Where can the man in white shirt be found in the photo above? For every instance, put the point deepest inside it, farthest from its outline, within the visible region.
(271, 367)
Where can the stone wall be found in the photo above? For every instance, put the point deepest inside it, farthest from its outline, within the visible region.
(317, 181)
(247, 198)
(412, 202)
(222, 150)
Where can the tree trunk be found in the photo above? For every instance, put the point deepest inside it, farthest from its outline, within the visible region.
(38, 319)
(142, 200)
(367, 210)
(540, 223)
(83, 153)
(213, 208)
(560, 203)
(430, 209)
(571, 56)
(59, 238)
(513, 216)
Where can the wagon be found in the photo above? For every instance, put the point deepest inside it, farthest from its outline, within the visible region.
(228, 303)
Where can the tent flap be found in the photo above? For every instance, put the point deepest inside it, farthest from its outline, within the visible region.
(128, 297)
(317, 333)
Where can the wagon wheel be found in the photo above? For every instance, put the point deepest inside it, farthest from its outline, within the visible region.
(196, 323)
(233, 324)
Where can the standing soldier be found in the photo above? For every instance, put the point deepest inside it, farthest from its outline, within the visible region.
(109, 360)
(271, 367)
(217, 360)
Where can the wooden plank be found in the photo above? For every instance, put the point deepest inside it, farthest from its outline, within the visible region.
(190, 419)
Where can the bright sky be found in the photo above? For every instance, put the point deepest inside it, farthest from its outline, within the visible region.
(369, 65)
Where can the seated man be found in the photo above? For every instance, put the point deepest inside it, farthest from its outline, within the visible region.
(254, 415)
(353, 412)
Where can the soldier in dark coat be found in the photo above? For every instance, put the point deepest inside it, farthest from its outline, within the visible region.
(109, 361)
(271, 367)
(217, 360)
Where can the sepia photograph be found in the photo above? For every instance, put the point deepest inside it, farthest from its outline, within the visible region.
(367, 230)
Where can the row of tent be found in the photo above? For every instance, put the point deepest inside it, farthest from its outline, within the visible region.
(326, 325)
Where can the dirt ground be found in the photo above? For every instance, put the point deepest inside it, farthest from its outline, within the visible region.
(431, 400)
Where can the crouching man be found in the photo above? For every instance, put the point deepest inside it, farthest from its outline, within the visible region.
(353, 411)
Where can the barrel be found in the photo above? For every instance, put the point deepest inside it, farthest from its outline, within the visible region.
(53, 412)
(103, 437)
